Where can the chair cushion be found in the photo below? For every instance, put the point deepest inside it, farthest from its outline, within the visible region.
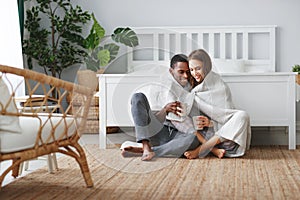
(8, 124)
(29, 129)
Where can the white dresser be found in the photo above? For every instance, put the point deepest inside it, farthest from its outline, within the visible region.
(269, 99)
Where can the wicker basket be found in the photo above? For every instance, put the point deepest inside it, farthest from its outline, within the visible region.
(78, 102)
(92, 127)
(92, 123)
(93, 112)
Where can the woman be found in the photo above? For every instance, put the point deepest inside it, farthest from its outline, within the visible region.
(231, 127)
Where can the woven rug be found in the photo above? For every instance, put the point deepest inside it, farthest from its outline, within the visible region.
(265, 172)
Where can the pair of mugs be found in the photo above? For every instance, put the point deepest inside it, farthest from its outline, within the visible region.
(182, 112)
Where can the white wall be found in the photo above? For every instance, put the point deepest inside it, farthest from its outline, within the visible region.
(113, 13)
(10, 39)
(285, 14)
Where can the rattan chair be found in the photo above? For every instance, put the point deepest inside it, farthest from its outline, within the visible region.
(45, 123)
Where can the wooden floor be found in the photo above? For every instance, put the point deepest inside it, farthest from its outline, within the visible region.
(265, 172)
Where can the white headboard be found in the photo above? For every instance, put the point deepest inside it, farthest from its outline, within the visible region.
(253, 45)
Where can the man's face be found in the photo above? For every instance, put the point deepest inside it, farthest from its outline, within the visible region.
(181, 73)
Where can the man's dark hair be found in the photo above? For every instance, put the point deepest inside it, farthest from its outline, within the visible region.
(178, 58)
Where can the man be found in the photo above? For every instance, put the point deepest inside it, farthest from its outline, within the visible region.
(157, 134)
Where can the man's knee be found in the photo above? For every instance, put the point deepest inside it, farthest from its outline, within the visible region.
(138, 98)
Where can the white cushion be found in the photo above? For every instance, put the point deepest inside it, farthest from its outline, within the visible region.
(29, 129)
(8, 124)
(228, 66)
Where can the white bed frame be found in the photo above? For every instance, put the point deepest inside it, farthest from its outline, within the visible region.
(269, 97)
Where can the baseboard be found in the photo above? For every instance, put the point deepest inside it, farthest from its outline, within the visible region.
(273, 135)
(298, 126)
(260, 135)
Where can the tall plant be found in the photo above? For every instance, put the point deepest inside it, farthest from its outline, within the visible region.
(55, 35)
(55, 38)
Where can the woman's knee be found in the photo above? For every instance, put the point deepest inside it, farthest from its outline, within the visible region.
(243, 115)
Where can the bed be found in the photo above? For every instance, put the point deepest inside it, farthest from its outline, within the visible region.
(243, 55)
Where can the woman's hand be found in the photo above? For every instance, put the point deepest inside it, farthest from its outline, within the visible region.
(203, 121)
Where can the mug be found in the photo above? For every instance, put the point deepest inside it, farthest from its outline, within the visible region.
(195, 122)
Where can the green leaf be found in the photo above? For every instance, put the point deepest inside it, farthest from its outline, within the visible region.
(104, 57)
(125, 36)
(113, 50)
(97, 32)
(92, 64)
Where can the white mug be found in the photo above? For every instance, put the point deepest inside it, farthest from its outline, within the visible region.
(195, 122)
(181, 115)
(182, 110)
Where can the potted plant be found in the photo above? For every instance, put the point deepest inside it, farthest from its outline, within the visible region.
(102, 49)
(296, 68)
(55, 38)
(59, 44)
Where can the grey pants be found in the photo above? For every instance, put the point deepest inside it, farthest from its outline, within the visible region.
(165, 140)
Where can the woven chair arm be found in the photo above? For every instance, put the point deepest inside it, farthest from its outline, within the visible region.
(45, 79)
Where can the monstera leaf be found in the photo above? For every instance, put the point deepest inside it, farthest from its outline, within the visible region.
(113, 50)
(104, 57)
(125, 36)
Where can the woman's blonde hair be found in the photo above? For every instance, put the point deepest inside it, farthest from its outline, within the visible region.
(201, 55)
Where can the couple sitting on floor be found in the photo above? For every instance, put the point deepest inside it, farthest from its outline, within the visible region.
(198, 115)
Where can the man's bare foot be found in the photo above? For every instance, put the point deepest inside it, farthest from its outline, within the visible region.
(134, 149)
(218, 152)
(193, 154)
(126, 154)
(147, 155)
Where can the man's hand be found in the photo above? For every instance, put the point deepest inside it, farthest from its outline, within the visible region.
(172, 107)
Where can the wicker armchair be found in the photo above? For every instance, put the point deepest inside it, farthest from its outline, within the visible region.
(27, 131)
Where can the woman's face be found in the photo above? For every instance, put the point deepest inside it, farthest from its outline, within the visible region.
(196, 68)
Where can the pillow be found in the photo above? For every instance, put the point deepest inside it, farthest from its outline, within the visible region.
(8, 123)
(228, 66)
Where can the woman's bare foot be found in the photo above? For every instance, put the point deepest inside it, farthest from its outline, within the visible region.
(193, 154)
(218, 152)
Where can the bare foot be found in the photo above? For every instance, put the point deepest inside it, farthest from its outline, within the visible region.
(134, 149)
(195, 153)
(192, 154)
(218, 152)
(131, 151)
(147, 155)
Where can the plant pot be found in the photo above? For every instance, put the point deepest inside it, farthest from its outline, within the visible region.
(100, 71)
(298, 79)
(87, 78)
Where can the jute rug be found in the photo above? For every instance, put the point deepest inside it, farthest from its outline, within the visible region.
(265, 172)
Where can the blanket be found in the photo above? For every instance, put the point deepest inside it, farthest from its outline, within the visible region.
(167, 90)
(213, 97)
